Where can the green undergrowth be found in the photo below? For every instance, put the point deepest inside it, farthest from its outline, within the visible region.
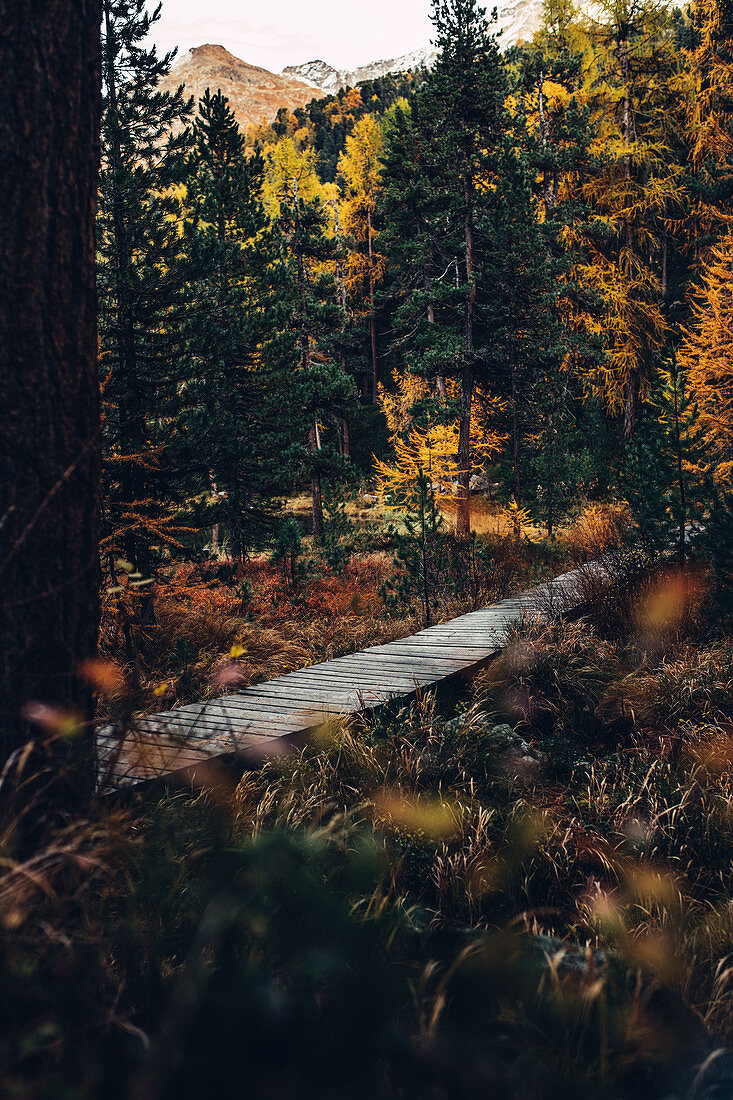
(397, 910)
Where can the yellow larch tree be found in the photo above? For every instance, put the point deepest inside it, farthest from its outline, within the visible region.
(706, 355)
(359, 175)
(633, 189)
(290, 171)
(432, 447)
(711, 104)
(706, 89)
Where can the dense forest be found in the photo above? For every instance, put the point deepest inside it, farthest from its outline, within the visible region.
(272, 397)
(526, 252)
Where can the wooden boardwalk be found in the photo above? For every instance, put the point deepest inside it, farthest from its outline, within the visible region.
(181, 745)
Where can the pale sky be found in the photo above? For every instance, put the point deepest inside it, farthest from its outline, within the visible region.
(276, 33)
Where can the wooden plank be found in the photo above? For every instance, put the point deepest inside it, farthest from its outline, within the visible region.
(408, 647)
(148, 752)
(274, 690)
(332, 699)
(343, 672)
(277, 708)
(200, 736)
(363, 678)
(463, 656)
(223, 713)
(265, 716)
(231, 722)
(478, 637)
(435, 666)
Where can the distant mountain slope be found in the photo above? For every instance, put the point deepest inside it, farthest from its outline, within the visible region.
(255, 94)
(331, 80)
(517, 21)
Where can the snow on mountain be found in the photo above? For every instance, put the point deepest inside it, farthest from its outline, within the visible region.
(517, 20)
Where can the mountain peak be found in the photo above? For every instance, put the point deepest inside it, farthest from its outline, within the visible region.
(331, 80)
(516, 21)
(255, 94)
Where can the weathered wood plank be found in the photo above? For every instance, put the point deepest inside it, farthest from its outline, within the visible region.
(263, 717)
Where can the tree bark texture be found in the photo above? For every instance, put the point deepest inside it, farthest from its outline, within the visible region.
(49, 416)
(463, 524)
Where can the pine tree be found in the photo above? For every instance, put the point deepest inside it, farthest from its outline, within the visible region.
(320, 389)
(667, 482)
(417, 288)
(421, 551)
(646, 479)
(544, 233)
(236, 416)
(461, 116)
(684, 440)
(716, 543)
(528, 342)
(144, 141)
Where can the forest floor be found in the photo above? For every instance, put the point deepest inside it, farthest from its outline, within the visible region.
(218, 626)
(526, 895)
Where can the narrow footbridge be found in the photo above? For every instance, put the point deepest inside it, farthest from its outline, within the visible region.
(181, 745)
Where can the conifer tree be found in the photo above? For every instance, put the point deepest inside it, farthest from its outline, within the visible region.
(144, 140)
(716, 542)
(360, 172)
(711, 101)
(706, 354)
(236, 405)
(421, 551)
(419, 278)
(461, 115)
(683, 436)
(528, 342)
(646, 479)
(706, 84)
(667, 480)
(632, 186)
(319, 388)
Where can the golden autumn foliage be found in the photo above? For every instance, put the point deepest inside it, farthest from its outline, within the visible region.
(360, 173)
(711, 105)
(707, 354)
(432, 449)
(632, 190)
(289, 169)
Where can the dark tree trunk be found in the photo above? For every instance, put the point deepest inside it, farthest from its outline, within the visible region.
(463, 524)
(439, 378)
(346, 438)
(372, 315)
(630, 404)
(316, 489)
(131, 409)
(49, 426)
(516, 443)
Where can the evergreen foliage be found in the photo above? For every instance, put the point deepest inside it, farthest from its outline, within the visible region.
(321, 391)
(458, 121)
(236, 400)
(421, 553)
(667, 480)
(141, 286)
